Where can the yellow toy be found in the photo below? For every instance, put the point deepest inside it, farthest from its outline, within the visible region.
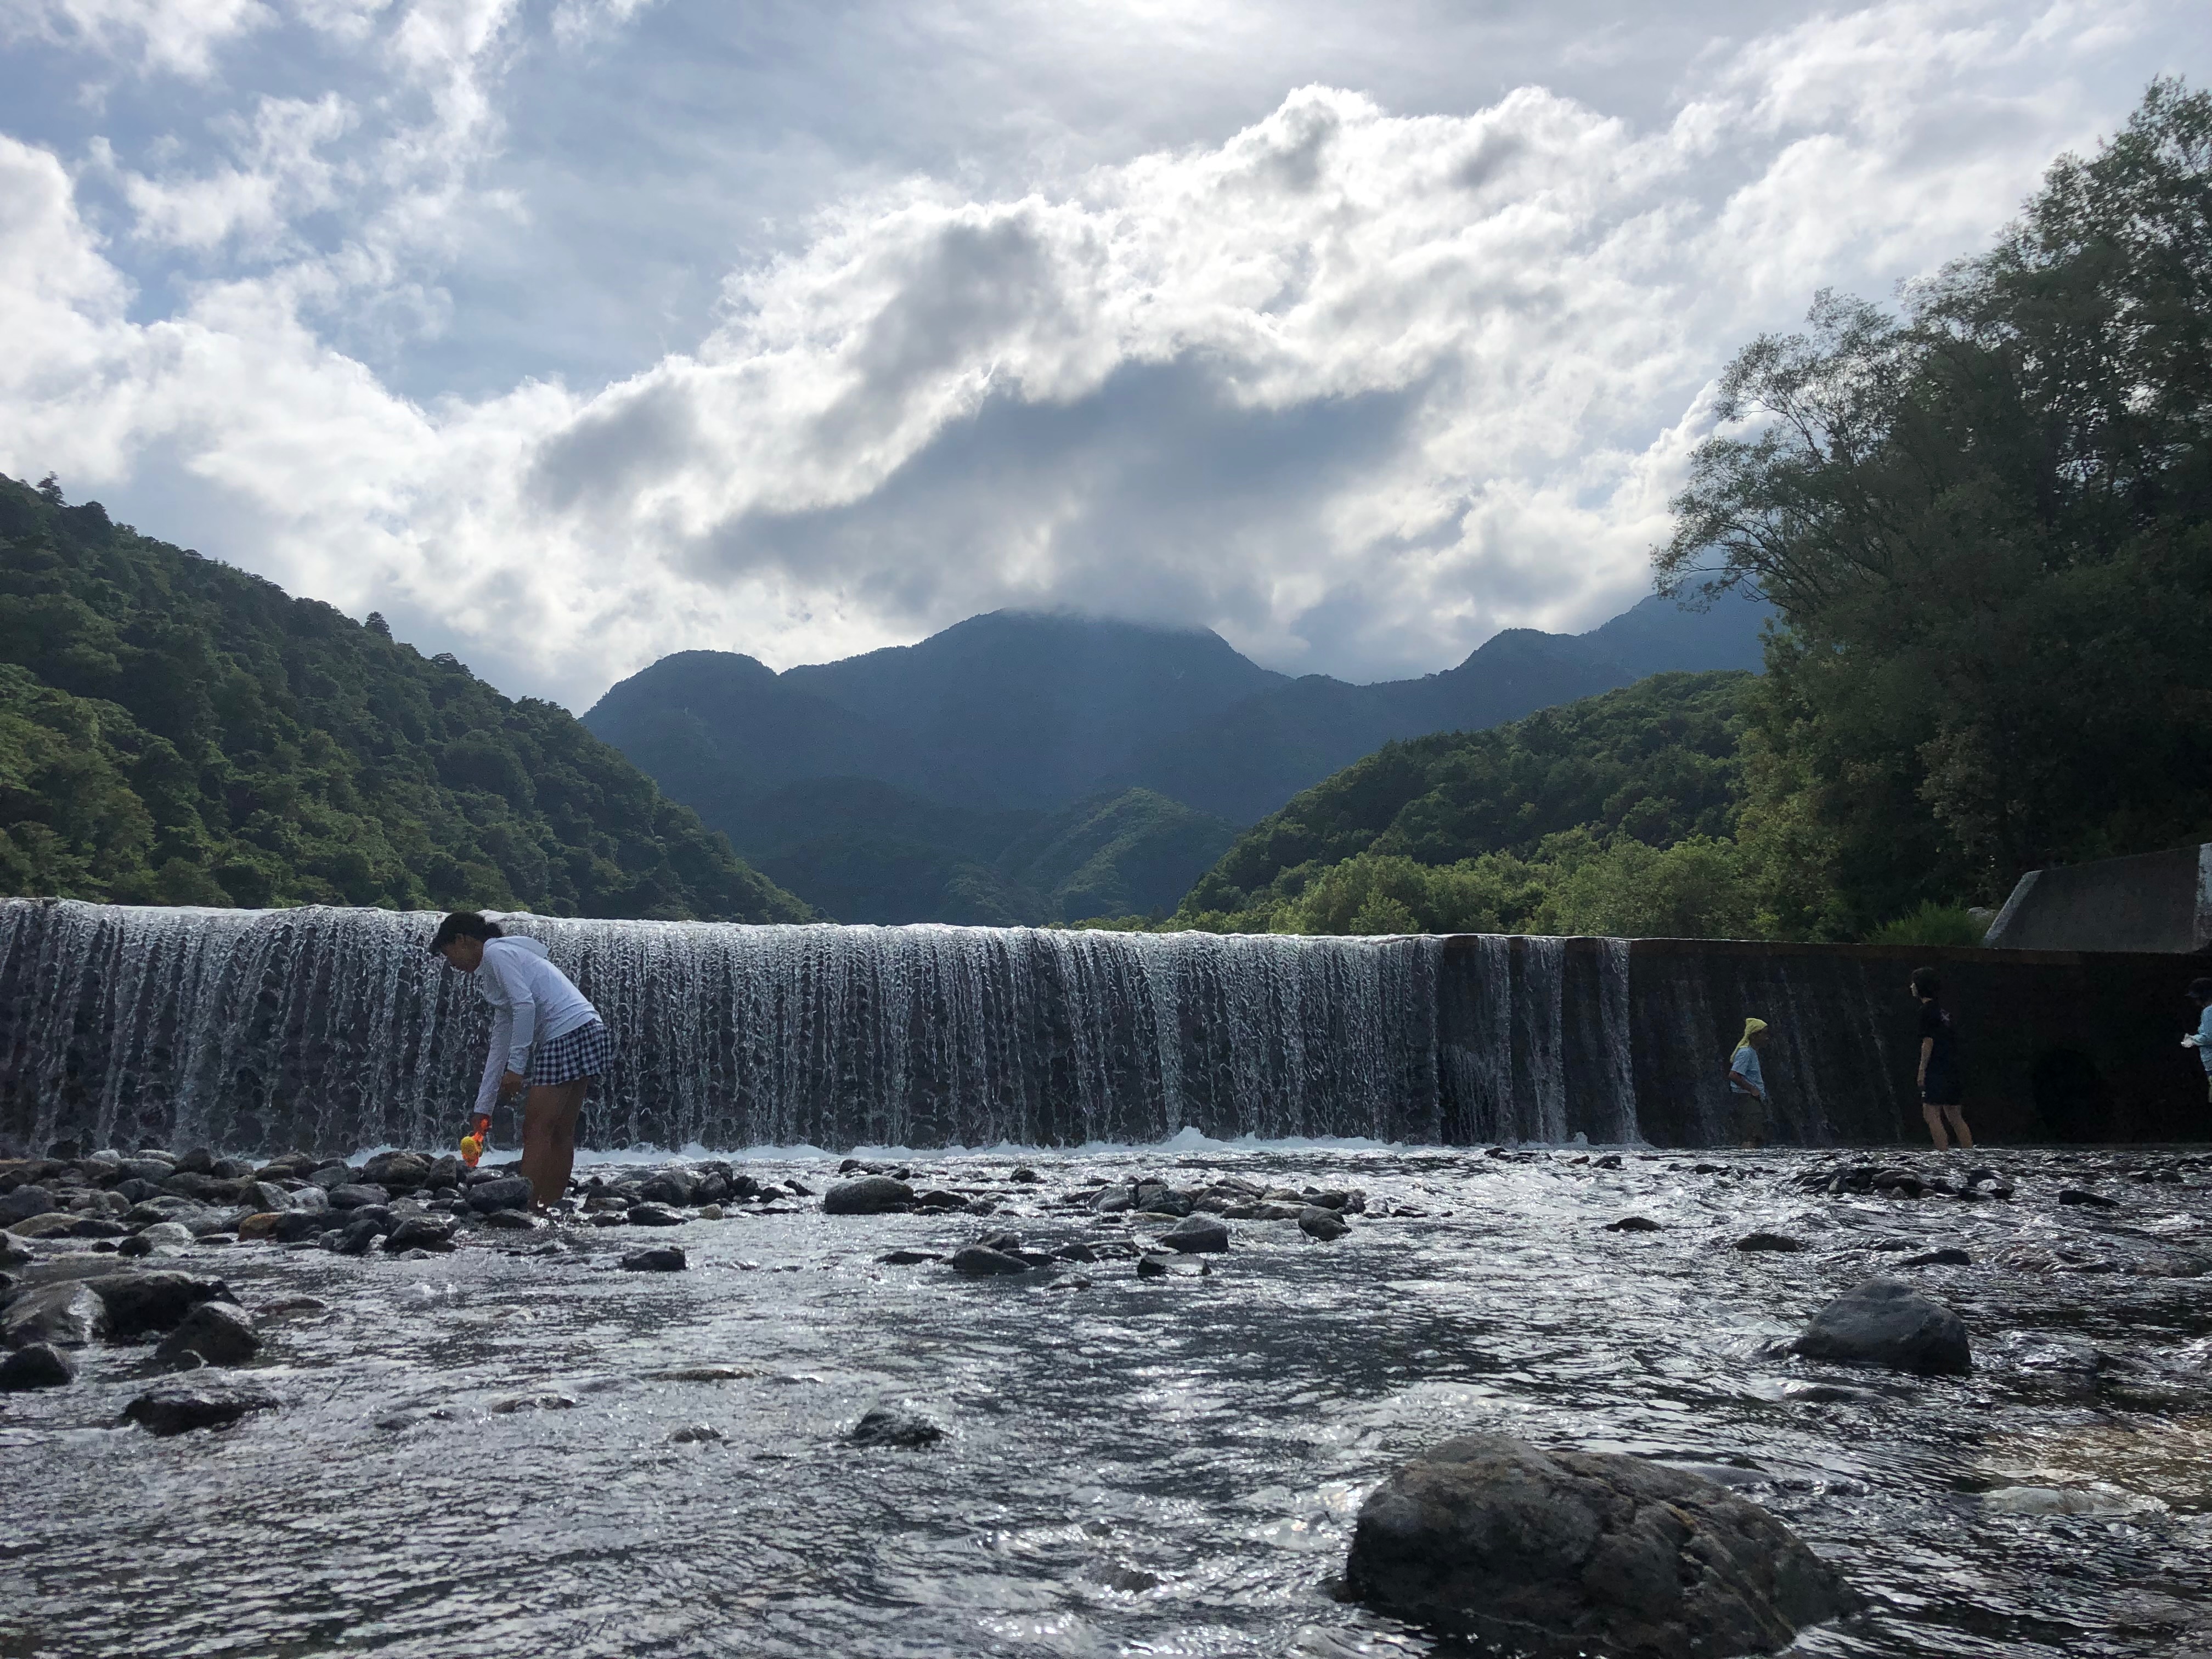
(474, 1142)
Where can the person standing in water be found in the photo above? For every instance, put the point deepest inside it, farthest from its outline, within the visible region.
(546, 1039)
(2200, 992)
(1747, 1084)
(1941, 1090)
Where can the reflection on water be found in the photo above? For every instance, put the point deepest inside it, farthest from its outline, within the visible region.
(474, 1454)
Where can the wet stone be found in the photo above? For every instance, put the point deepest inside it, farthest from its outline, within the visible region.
(893, 1426)
(653, 1215)
(1950, 1256)
(660, 1259)
(182, 1410)
(1634, 1224)
(983, 1262)
(37, 1366)
(502, 1193)
(870, 1195)
(2083, 1196)
(216, 1331)
(1885, 1321)
(1781, 1241)
(511, 1221)
(420, 1232)
(1197, 1234)
(909, 1258)
(1489, 1537)
(1325, 1225)
(55, 1315)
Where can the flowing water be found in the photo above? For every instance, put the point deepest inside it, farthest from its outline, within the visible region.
(1163, 1466)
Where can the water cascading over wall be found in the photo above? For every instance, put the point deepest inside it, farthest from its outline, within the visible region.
(335, 1028)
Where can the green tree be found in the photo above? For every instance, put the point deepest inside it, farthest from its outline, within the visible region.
(1988, 523)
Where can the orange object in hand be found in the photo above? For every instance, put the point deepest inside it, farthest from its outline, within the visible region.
(473, 1143)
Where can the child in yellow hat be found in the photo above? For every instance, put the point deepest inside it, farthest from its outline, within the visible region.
(1747, 1083)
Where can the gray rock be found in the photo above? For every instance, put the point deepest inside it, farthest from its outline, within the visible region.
(50, 1223)
(333, 1175)
(908, 1258)
(1489, 1537)
(671, 1189)
(1885, 1321)
(38, 1366)
(660, 1259)
(889, 1426)
(66, 1315)
(502, 1193)
(1769, 1242)
(181, 1411)
(513, 1221)
(982, 1260)
(397, 1172)
(653, 1215)
(354, 1194)
(420, 1232)
(218, 1332)
(24, 1203)
(139, 1304)
(1113, 1201)
(2095, 1200)
(1196, 1234)
(1325, 1225)
(167, 1236)
(868, 1195)
(1950, 1256)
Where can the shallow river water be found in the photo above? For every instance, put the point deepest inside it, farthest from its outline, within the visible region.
(1160, 1466)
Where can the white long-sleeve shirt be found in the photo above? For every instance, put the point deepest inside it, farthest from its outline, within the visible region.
(532, 1001)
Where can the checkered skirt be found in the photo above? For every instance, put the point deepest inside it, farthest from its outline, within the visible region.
(584, 1052)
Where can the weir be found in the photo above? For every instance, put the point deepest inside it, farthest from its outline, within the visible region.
(334, 1029)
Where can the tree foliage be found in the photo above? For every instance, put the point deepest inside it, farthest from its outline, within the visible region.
(175, 732)
(1987, 522)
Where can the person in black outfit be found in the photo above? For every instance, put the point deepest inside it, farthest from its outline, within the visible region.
(1940, 1086)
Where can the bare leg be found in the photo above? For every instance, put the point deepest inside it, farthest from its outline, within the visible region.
(1935, 1117)
(548, 1137)
(1957, 1122)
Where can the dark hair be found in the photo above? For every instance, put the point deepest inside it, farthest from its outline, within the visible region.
(462, 923)
(1927, 983)
(2201, 989)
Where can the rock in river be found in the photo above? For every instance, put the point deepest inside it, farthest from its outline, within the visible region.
(869, 1195)
(653, 1215)
(218, 1332)
(1885, 1321)
(1565, 1552)
(138, 1303)
(660, 1259)
(1196, 1233)
(981, 1260)
(1327, 1226)
(1769, 1242)
(66, 1315)
(420, 1232)
(37, 1366)
(887, 1426)
(179, 1411)
(506, 1193)
(1634, 1224)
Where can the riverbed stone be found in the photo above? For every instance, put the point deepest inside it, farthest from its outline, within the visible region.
(1557, 1552)
(140, 1304)
(501, 1193)
(659, 1259)
(65, 1316)
(399, 1171)
(2083, 1196)
(1779, 1241)
(1195, 1235)
(513, 1221)
(420, 1232)
(983, 1262)
(40, 1365)
(1634, 1224)
(25, 1202)
(356, 1194)
(218, 1332)
(653, 1215)
(50, 1223)
(893, 1425)
(1885, 1321)
(868, 1194)
(1316, 1221)
(182, 1410)
(1950, 1256)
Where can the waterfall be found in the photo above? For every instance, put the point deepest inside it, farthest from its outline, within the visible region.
(335, 1028)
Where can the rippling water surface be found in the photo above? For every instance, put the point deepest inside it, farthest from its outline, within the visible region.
(1165, 1466)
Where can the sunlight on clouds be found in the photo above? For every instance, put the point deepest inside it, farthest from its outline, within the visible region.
(1354, 387)
(179, 36)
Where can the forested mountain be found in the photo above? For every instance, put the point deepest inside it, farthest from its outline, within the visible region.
(176, 732)
(1473, 830)
(906, 784)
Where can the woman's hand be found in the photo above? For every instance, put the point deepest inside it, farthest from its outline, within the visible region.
(511, 1083)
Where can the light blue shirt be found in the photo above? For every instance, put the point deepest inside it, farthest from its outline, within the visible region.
(1744, 1062)
(2204, 1038)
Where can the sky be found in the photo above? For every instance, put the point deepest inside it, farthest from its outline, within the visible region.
(571, 334)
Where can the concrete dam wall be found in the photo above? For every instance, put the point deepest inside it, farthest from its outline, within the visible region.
(334, 1029)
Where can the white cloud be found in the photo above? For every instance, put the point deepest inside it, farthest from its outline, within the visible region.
(179, 36)
(1357, 387)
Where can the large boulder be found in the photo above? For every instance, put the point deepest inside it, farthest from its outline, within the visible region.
(1565, 1552)
(670, 1188)
(502, 1193)
(216, 1331)
(1316, 1221)
(398, 1172)
(140, 1304)
(1885, 1321)
(64, 1315)
(420, 1232)
(984, 1261)
(358, 1194)
(868, 1195)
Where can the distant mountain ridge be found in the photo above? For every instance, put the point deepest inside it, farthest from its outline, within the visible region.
(905, 784)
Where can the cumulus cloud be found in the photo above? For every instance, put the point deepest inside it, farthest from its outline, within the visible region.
(1355, 386)
(179, 36)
